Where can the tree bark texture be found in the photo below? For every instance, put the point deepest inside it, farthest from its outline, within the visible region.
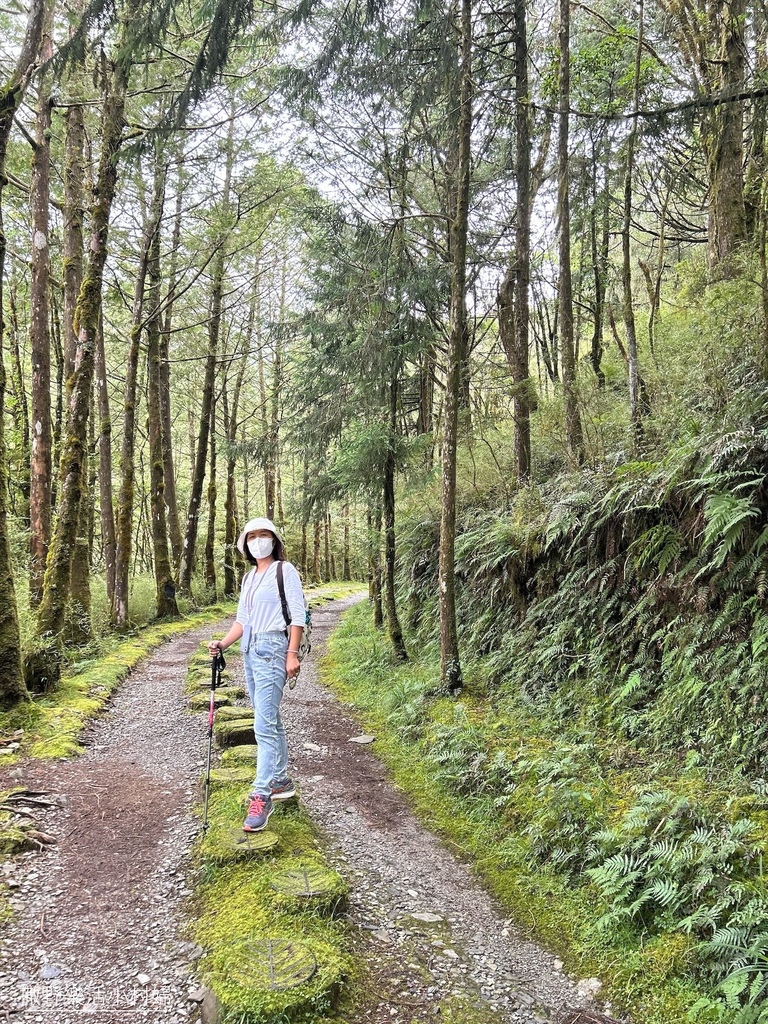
(169, 471)
(39, 331)
(573, 433)
(77, 629)
(711, 37)
(210, 535)
(232, 559)
(633, 366)
(12, 687)
(106, 507)
(127, 494)
(521, 270)
(165, 586)
(45, 670)
(390, 597)
(450, 664)
(214, 328)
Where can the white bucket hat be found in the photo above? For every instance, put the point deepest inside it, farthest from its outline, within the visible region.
(256, 524)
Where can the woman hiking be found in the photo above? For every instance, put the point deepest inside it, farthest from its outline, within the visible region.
(270, 656)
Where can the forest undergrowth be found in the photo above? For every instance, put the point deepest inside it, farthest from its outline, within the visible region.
(605, 763)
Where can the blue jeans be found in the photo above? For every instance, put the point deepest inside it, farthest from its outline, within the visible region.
(264, 663)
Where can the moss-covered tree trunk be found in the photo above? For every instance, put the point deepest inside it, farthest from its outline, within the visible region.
(574, 436)
(390, 465)
(19, 406)
(210, 534)
(232, 557)
(106, 506)
(346, 570)
(12, 688)
(214, 329)
(450, 664)
(165, 586)
(78, 621)
(633, 366)
(374, 565)
(316, 540)
(127, 493)
(39, 329)
(169, 477)
(43, 665)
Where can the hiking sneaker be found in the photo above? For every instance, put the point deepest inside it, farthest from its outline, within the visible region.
(259, 810)
(283, 790)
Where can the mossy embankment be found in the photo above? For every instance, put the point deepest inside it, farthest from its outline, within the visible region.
(52, 723)
(619, 862)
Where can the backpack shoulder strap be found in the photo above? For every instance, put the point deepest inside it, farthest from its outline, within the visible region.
(281, 589)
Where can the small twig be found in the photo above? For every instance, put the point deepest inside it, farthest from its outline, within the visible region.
(41, 926)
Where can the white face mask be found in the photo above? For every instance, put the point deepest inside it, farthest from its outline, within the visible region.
(261, 547)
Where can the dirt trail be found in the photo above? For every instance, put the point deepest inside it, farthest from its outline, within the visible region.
(99, 923)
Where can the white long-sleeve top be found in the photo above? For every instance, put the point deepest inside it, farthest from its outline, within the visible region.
(259, 609)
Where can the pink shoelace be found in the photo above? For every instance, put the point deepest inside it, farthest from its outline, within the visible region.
(256, 806)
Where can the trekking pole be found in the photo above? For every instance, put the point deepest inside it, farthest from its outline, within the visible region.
(217, 667)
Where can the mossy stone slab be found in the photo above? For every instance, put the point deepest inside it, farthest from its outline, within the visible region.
(310, 885)
(233, 734)
(201, 701)
(232, 775)
(247, 844)
(273, 965)
(233, 712)
(245, 754)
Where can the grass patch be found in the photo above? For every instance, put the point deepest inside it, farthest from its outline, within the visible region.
(624, 866)
(52, 722)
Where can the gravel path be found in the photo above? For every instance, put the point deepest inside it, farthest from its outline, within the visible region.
(99, 923)
(429, 929)
(96, 935)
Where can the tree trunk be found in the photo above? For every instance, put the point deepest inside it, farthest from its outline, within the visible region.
(44, 670)
(327, 544)
(374, 566)
(165, 586)
(232, 557)
(723, 140)
(12, 688)
(78, 620)
(39, 335)
(599, 260)
(127, 493)
(214, 327)
(390, 563)
(20, 406)
(574, 437)
(105, 466)
(635, 413)
(169, 477)
(521, 272)
(210, 536)
(346, 571)
(712, 39)
(450, 665)
(316, 578)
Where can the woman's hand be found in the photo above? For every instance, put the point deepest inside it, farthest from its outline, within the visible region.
(292, 667)
(215, 648)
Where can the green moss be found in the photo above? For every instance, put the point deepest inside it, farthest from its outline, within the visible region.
(239, 755)
(233, 733)
(52, 723)
(239, 908)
